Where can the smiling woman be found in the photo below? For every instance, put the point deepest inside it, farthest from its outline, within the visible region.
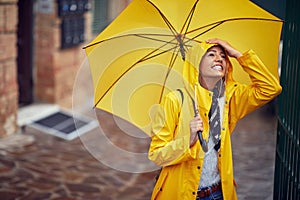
(161, 34)
(204, 170)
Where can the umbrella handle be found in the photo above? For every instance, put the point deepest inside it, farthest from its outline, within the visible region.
(202, 141)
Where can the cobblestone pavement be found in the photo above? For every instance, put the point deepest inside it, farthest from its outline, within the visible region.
(40, 166)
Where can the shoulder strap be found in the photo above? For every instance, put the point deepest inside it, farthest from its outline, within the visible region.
(181, 93)
(182, 97)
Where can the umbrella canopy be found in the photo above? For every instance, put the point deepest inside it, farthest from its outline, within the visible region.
(139, 57)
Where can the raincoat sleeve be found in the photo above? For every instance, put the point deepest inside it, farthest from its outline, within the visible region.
(263, 89)
(170, 145)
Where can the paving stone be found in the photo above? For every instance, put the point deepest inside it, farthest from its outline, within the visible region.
(9, 195)
(4, 180)
(61, 192)
(73, 176)
(37, 196)
(64, 198)
(82, 188)
(6, 163)
(43, 184)
(93, 180)
(5, 169)
(23, 174)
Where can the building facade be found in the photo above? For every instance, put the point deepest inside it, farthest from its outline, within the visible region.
(41, 50)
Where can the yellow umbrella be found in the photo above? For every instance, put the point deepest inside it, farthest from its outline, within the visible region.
(139, 57)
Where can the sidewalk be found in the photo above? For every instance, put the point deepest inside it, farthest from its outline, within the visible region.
(51, 168)
(254, 143)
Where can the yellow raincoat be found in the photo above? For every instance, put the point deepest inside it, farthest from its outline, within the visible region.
(170, 146)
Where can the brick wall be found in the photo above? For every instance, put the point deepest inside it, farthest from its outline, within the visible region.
(8, 67)
(55, 68)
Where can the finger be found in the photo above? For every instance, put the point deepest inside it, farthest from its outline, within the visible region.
(200, 128)
(198, 118)
(212, 40)
(224, 44)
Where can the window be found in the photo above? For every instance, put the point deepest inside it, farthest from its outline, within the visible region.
(100, 16)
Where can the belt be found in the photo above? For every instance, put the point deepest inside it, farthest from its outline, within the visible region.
(205, 192)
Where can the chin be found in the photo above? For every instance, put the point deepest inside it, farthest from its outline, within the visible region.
(220, 75)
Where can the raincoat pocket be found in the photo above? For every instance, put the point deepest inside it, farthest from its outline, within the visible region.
(159, 186)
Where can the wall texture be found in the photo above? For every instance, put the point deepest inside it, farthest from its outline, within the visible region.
(55, 68)
(8, 67)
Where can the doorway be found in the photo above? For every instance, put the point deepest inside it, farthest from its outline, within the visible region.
(25, 51)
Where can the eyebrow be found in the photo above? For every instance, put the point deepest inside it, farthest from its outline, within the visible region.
(222, 52)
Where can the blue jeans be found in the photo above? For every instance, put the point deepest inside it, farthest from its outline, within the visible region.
(214, 196)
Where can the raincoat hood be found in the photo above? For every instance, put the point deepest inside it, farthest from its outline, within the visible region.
(191, 66)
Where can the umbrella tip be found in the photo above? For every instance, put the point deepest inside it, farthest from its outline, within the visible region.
(179, 38)
(182, 51)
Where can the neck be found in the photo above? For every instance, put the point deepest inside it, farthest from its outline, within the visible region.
(208, 83)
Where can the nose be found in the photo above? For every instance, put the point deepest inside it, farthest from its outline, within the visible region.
(218, 58)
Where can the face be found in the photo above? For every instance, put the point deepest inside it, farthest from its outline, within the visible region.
(213, 65)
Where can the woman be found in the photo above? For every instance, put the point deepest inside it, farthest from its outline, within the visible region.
(191, 170)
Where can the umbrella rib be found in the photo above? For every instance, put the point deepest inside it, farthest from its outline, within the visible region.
(216, 25)
(154, 39)
(181, 36)
(233, 19)
(189, 18)
(171, 64)
(165, 51)
(168, 23)
(128, 35)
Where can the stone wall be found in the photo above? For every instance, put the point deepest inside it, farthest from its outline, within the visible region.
(8, 67)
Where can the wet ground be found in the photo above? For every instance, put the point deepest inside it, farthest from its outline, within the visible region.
(35, 165)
